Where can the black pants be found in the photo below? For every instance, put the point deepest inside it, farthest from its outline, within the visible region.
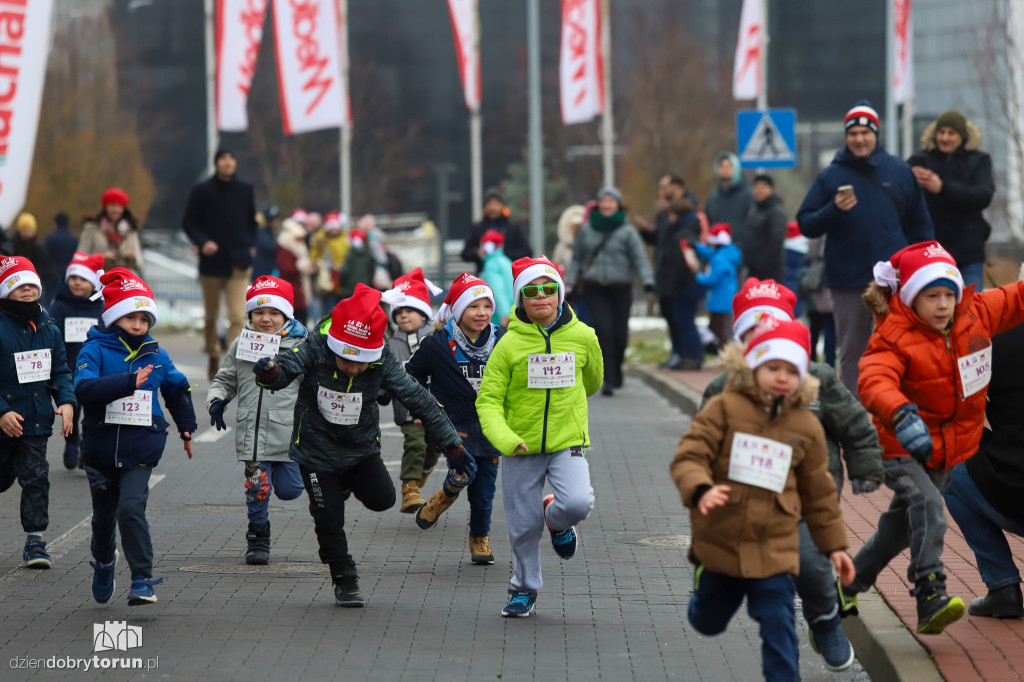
(119, 498)
(609, 311)
(24, 459)
(371, 484)
(76, 429)
(665, 304)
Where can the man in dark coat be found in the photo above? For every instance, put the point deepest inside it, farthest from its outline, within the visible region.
(495, 218)
(60, 245)
(766, 232)
(731, 200)
(220, 219)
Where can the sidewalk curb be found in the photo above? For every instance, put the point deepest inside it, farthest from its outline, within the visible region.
(884, 646)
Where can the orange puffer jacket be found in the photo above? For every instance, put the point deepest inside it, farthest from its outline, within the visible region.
(909, 362)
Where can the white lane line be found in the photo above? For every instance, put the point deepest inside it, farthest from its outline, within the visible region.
(211, 436)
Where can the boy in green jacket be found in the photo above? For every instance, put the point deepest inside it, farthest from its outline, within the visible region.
(533, 408)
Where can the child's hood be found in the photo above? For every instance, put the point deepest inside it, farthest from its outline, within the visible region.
(729, 253)
(740, 379)
(108, 338)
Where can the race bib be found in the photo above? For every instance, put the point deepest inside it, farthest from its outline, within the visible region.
(551, 370)
(135, 410)
(32, 365)
(339, 408)
(253, 345)
(975, 371)
(758, 461)
(76, 328)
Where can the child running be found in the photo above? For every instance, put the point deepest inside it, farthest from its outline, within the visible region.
(723, 260)
(453, 361)
(848, 430)
(497, 272)
(120, 369)
(33, 369)
(75, 313)
(925, 379)
(533, 408)
(343, 365)
(264, 418)
(753, 462)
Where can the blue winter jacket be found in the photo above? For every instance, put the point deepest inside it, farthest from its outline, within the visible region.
(871, 231)
(68, 305)
(105, 373)
(720, 278)
(497, 272)
(33, 330)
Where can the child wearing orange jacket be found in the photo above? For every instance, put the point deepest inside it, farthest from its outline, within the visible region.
(925, 378)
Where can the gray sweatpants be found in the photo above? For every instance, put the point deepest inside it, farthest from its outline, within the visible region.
(816, 583)
(854, 324)
(522, 488)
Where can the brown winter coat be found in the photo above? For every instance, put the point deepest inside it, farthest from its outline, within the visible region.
(754, 535)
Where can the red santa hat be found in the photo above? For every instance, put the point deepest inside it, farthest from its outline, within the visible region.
(525, 270)
(491, 240)
(720, 234)
(411, 290)
(300, 216)
(357, 238)
(758, 297)
(920, 266)
(775, 339)
(89, 268)
(793, 230)
(357, 326)
(465, 290)
(16, 271)
(124, 292)
(271, 292)
(335, 220)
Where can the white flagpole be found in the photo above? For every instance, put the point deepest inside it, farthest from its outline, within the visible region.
(908, 127)
(534, 126)
(607, 119)
(476, 126)
(345, 155)
(762, 93)
(211, 85)
(891, 123)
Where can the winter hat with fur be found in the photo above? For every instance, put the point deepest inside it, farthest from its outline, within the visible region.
(775, 339)
(916, 267)
(759, 297)
(411, 290)
(271, 292)
(124, 292)
(89, 268)
(357, 326)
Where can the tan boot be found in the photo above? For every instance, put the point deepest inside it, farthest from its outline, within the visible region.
(426, 475)
(411, 498)
(480, 549)
(427, 515)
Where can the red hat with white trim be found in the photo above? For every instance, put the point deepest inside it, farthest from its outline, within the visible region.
(525, 270)
(491, 240)
(89, 268)
(300, 216)
(758, 297)
(465, 290)
(16, 271)
(335, 220)
(920, 266)
(774, 339)
(862, 114)
(720, 234)
(357, 238)
(411, 290)
(124, 292)
(271, 292)
(357, 326)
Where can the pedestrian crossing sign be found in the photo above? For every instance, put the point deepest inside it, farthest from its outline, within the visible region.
(767, 139)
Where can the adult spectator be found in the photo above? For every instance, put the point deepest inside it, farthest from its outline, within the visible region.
(327, 249)
(268, 220)
(880, 210)
(766, 232)
(114, 232)
(60, 244)
(731, 200)
(220, 219)
(26, 244)
(568, 226)
(985, 492)
(957, 180)
(609, 255)
(295, 266)
(495, 218)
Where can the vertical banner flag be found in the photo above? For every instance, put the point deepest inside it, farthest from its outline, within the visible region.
(466, 28)
(24, 47)
(903, 49)
(308, 43)
(580, 68)
(238, 36)
(746, 67)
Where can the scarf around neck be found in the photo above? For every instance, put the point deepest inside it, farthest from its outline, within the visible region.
(603, 223)
(468, 348)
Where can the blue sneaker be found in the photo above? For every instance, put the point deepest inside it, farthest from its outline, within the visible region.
(830, 642)
(103, 580)
(566, 541)
(142, 590)
(34, 555)
(520, 605)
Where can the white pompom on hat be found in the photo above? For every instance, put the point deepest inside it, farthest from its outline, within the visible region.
(920, 266)
(411, 290)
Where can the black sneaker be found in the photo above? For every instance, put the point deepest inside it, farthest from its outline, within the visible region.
(520, 604)
(936, 610)
(35, 555)
(346, 592)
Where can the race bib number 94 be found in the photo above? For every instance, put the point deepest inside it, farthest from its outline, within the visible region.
(761, 462)
(339, 408)
(551, 370)
(253, 345)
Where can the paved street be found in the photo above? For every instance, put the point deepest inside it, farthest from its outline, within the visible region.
(615, 612)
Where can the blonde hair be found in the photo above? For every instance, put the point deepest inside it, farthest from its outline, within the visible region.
(26, 220)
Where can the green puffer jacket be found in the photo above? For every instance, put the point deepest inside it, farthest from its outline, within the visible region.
(848, 428)
(321, 445)
(547, 420)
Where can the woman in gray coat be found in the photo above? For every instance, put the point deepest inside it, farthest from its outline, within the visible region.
(607, 257)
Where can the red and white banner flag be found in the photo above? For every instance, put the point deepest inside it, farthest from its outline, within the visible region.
(746, 67)
(239, 32)
(903, 52)
(308, 44)
(466, 28)
(24, 47)
(580, 67)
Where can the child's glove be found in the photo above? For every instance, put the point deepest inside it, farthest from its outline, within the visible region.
(217, 413)
(460, 460)
(912, 433)
(862, 485)
(265, 370)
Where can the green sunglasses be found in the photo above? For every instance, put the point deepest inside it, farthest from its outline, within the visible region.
(534, 290)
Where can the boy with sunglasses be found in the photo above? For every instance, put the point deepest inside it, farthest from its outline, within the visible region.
(533, 408)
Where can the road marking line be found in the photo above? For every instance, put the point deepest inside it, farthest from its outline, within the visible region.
(211, 436)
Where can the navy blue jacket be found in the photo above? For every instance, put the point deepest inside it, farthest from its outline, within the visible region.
(871, 231)
(60, 245)
(105, 373)
(32, 401)
(68, 305)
